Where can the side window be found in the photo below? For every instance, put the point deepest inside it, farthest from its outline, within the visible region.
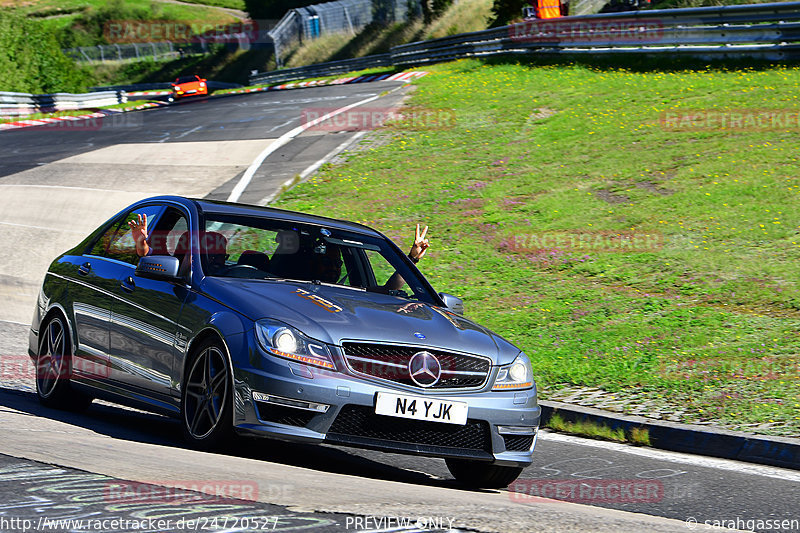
(380, 267)
(101, 245)
(165, 235)
(117, 242)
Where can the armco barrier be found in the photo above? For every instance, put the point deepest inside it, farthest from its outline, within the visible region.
(212, 85)
(18, 104)
(323, 69)
(765, 31)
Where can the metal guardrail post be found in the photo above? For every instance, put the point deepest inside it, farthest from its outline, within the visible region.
(349, 22)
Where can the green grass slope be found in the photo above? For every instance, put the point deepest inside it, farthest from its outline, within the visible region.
(530, 171)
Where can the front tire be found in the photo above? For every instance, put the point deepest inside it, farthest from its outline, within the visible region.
(480, 475)
(54, 368)
(206, 400)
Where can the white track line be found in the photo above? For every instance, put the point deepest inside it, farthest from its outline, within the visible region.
(245, 180)
(313, 167)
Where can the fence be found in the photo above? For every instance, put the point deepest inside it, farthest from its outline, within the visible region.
(765, 31)
(339, 16)
(134, 51)
(19, 104)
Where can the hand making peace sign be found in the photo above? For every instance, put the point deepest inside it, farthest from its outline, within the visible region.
(420, 245)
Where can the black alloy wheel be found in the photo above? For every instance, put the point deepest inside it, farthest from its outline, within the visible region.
(54, 368)
(206, 406)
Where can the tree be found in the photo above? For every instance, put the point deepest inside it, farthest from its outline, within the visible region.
(31, 60)
(506, 11)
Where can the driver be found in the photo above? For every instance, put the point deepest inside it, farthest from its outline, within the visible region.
(328, 267)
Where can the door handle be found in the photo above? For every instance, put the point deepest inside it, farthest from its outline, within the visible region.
(85, 268)
(128, 284)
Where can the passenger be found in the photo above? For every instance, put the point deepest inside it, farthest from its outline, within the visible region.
(139, 234)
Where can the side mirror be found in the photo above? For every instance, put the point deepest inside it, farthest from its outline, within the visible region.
(453, 303)
(158, 267)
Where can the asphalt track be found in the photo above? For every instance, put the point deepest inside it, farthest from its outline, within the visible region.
(59, 183)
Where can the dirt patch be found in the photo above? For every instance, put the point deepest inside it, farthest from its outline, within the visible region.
(655, 189)
(541, 114)
(611, 197)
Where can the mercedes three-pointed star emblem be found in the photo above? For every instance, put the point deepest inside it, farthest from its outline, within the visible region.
(425, 369)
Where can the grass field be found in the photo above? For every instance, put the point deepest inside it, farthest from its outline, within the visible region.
(621, 248)
(58, 14)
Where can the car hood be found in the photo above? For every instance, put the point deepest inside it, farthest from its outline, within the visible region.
(335, 314)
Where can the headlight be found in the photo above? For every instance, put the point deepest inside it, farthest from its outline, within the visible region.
(517, 375)
(282, 340)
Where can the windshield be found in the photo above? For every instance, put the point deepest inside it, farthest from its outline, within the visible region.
(260, 248)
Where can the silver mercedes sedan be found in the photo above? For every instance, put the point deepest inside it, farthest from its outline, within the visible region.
(244, 320)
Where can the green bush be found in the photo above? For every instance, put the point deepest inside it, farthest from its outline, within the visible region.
(31, 60)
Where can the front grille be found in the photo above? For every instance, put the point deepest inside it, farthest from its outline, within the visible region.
(280, 414)
(390, 362)
(387, 432)
(518, 443)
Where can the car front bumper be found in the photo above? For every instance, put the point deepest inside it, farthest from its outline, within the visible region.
(282, 399)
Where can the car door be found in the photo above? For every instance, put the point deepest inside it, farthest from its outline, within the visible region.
(144, 319)
(91, 279)
(94, 293)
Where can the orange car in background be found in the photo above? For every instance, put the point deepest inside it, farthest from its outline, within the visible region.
(189, 86)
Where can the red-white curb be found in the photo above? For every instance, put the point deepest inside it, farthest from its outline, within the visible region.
(50, 120)
(149, 93)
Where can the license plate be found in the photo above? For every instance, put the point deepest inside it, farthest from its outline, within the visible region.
(421, 408)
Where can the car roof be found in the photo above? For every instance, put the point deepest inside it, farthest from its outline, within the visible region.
(230, 208)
